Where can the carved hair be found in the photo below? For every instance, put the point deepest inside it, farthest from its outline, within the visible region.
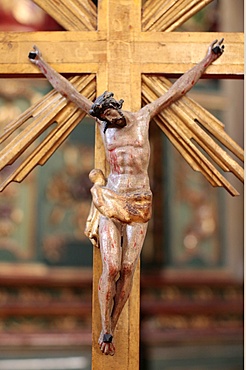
(104, 102)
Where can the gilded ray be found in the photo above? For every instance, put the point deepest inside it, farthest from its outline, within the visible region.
(168, 15)
(73, 15)
(53, 110)
(186, 125)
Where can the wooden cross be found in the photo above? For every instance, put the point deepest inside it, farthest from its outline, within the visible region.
(115, 49)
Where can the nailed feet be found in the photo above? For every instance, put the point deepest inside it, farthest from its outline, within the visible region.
(105, 344)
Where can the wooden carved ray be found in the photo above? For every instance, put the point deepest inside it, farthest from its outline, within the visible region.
(72, 15)
(53, 108)
(186, 124)
(185, 121)
(168, 15)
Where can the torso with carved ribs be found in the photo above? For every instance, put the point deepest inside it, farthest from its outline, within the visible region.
(128, 152)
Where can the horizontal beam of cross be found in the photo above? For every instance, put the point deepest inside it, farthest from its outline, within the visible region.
(154, 52)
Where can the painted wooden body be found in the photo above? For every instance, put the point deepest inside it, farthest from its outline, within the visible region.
(116, 200)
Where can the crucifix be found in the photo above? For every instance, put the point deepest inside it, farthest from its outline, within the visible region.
(120, 52)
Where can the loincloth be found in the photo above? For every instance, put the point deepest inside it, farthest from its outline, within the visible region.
(127, 208)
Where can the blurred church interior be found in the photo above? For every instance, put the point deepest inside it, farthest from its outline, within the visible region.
(192, 260)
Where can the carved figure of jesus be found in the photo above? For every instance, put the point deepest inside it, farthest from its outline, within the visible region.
(123, 200)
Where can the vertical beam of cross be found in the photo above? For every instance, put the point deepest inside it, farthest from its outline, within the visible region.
(119, 74)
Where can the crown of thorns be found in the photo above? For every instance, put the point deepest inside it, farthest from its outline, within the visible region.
(104, 102)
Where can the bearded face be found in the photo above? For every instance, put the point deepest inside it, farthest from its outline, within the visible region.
(108, 110)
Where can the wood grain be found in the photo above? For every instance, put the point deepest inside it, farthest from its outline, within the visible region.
(118, 76)
(153, 52)
(72, 15)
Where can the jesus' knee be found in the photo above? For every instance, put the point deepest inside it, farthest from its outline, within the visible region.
(111, 271)
(127, 269)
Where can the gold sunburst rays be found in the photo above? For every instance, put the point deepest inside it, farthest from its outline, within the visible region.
(73, 15)
(53, 112)
(52, 109)
(82, 15)
(170, 14)
(186, 124)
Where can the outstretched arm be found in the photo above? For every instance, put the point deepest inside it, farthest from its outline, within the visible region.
(61, 84)
(187, 80)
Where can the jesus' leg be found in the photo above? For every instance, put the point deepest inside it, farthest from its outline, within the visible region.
(110, 248)
(133, 239)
